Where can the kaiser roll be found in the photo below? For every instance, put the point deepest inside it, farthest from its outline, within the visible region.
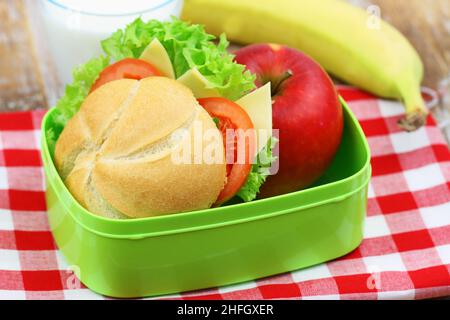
(116, 154)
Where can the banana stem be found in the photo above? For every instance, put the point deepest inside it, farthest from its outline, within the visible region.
(416, 112)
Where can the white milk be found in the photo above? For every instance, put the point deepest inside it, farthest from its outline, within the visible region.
(76, 27)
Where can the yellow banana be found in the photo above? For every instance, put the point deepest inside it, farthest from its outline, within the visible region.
(345, 40)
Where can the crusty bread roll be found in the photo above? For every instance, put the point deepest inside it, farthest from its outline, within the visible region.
(115, 154)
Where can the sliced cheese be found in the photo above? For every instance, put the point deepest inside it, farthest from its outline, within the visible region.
(258, 105)
(199, 85)
(156, 54)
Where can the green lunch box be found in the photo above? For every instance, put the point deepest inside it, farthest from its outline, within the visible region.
(219, 246)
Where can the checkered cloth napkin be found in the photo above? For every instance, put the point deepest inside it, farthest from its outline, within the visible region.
(405, 253)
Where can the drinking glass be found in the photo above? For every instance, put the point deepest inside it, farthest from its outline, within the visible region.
(75, 28)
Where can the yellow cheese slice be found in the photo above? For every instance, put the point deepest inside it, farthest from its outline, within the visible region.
(195, 81)
(258, 105)
(156, 54)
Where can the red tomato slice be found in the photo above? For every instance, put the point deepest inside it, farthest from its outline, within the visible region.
(230, 115)
(126, 69)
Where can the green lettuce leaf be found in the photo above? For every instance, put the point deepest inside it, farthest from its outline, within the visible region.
(83, 78)
(259, 173)
(188, 46)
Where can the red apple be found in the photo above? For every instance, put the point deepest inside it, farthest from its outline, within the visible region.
(306, 110)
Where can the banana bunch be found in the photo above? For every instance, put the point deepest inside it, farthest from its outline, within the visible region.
(347, 41)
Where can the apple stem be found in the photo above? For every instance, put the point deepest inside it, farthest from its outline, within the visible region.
(276, 83)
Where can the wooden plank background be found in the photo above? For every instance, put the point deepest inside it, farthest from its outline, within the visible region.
(28, 80)
(21, 86)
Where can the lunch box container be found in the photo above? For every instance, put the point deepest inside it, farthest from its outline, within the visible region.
(218, 246)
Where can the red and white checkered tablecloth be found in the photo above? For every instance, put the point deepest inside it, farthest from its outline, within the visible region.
(405, 253)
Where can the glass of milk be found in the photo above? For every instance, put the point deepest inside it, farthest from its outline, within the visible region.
(75, 27)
